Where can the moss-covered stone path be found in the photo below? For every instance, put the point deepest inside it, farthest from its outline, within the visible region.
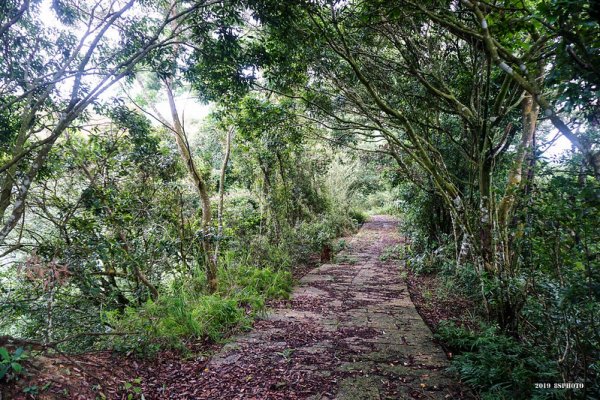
(350, 331)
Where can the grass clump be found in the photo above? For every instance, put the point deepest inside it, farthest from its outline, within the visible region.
(186, 315)
(174, 320)
(251, 286)
(358, 217)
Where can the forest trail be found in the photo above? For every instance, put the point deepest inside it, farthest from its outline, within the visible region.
(350, 331)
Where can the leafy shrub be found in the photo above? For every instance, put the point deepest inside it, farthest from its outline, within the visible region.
(10, 364)
(430, 258)
(358, 216)
(133, 389)
(311, 236)
(499, 366)
(263, 254)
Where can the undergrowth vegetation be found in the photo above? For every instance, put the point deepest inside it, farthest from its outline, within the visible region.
(556, 286)
(499, 366)
(185, 314)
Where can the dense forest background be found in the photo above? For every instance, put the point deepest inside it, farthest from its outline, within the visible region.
(129, 222)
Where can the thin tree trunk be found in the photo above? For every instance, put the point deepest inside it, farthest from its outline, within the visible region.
(222, 193)
(9, 178)
(486, 205)
(530, 111)
(50, 308)
(199, 185)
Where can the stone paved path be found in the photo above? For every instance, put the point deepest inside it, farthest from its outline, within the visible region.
(350, 331)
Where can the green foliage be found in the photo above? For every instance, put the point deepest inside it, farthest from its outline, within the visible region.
(133, 389)
(185, 315)
(357, 216)
(383, 202)
(242, 214)
(109, 207)
(424, 216)
(223, 67)
(251, 286)
(11, 363)
(395, 252)
(560, 255)
(312, 236)
(261, 252)
(356, 188)
(499, 366)
(577, 22)
(246, 282)
(320, 233)
(119, 217)
(345, 259)
(173, 320)
(340, 245)
(427, 256)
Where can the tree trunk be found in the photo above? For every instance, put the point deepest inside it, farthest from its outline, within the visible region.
(199, 185)
(486, 206)
(530, 110)
(509, 303)
(222, 192)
